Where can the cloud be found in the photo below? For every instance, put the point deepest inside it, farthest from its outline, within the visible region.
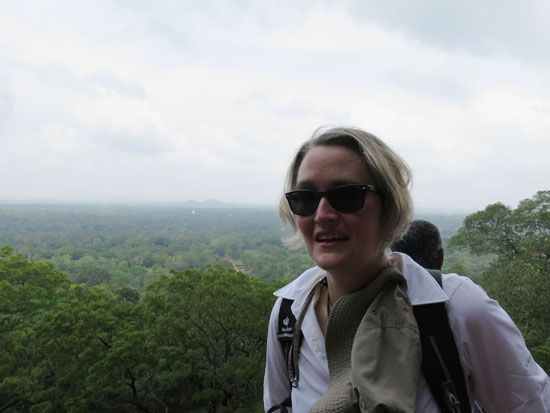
(170, 100)
(7, 98)
(515, 29)
(7, 104)
(285, 108)
(106, 81)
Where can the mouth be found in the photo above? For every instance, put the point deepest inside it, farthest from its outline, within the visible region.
(326, 238)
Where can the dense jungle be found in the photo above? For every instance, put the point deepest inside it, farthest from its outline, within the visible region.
(165, 308)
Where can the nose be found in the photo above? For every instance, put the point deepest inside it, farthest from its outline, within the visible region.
(325, 211)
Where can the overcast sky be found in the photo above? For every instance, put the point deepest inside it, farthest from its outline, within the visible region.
(137, 101)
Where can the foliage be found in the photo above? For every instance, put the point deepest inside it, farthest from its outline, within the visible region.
(152, 316)
(519, 278)
(209, 320)
(193, 340)
(133, 246)
(27, 291)
(463, 262)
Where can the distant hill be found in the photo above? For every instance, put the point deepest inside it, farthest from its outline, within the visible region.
(212, 203)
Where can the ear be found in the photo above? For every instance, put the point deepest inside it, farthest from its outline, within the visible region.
(439, 259)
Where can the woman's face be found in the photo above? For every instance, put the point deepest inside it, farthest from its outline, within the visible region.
(340, 243)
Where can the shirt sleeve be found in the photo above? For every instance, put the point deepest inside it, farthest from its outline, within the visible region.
(276, 384)
(501, 371)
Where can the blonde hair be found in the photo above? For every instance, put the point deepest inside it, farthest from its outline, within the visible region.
(391, 175)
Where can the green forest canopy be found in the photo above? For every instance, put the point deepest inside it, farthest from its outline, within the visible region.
(133, 246)
(194, 340)
(159, 309)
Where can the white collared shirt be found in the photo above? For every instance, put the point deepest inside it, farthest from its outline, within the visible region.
(502, 375)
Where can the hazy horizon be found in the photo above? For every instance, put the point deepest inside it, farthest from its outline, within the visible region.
(190, 204)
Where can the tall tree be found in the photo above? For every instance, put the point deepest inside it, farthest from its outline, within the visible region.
(212, 323)
(27, 290)
(520, 276)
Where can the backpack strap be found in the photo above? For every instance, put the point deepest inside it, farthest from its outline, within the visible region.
(285, 327)
(283, 407)
(436, 274)
(285, 334)
(440, 360)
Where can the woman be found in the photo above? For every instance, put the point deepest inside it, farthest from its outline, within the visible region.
(356, 345)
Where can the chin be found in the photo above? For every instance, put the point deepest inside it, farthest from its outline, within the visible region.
(330, 263)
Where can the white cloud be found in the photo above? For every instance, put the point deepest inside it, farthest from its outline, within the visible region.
(170, 100)
(515, 29)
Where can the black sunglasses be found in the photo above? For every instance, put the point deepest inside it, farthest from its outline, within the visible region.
(345, 199)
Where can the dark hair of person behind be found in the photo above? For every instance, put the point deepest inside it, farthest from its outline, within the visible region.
(422, 243)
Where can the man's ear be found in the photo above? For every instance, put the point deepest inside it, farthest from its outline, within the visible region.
(439, 259)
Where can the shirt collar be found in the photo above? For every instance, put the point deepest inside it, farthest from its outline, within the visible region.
(299, 289)
(422, 288)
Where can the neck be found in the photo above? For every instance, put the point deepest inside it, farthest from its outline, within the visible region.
(342, 283)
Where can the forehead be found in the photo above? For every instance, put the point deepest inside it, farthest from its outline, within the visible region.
(325, 166)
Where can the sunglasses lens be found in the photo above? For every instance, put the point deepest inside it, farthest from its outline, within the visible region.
(347, 199)
(303, 202)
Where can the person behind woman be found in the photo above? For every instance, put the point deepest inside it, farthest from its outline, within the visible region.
(356, 344)
(422, 243)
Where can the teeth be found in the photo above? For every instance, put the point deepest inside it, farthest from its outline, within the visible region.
(330, 237)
